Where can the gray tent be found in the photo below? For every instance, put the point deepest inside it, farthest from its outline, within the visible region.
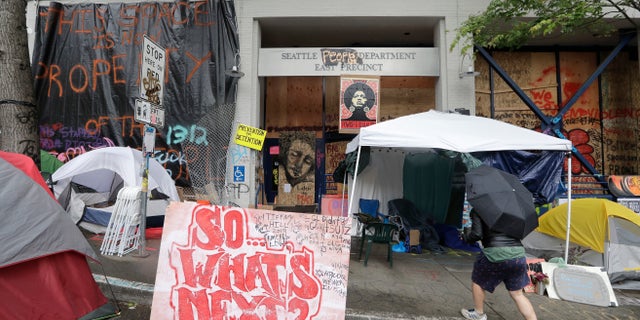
(40, 244)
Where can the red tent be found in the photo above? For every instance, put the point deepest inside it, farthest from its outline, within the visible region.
(27, 166)
(44, 272)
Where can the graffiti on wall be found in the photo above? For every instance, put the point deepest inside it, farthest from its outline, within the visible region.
(602, 123)
(86, 65)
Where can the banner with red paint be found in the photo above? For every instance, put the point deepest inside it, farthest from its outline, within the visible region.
(87, 61)
(229, 263)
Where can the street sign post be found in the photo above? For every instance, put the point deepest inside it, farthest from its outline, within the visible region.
(152, 71)
(150, 112)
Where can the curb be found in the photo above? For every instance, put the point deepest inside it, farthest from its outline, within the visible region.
(351, 314)
(142, 293)
(125, 290)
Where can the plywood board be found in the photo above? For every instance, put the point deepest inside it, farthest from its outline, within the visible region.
(533, 74)
(293, 103)
(401, 96)
(334, 154)
(620, 116)
(332, 98)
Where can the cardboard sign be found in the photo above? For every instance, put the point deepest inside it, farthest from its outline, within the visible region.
(250, 137)
(221, 263)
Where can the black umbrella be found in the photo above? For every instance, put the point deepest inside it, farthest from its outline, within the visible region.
(502, 201)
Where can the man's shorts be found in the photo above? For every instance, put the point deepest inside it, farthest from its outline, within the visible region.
(488, 275)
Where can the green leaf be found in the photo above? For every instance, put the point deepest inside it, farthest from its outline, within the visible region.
(510, 24)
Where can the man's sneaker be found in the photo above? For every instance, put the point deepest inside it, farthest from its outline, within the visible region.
(472, 314)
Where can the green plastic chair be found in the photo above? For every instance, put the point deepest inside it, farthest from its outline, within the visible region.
(383, 234)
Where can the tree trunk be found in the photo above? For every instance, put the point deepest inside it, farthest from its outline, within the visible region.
(18, 112)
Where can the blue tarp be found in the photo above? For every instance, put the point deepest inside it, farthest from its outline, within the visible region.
(540, 172)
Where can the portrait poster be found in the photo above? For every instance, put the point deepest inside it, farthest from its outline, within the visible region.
(297, 170)
(234, 263)
(359, 102)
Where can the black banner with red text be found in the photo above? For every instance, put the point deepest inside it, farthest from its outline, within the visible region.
(86, 65)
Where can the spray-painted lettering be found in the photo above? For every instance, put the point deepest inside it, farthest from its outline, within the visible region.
(218, 273)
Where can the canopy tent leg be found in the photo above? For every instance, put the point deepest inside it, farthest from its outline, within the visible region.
(353, 186)
(566, 249)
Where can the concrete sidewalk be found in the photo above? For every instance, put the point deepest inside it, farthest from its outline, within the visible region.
(419, 286)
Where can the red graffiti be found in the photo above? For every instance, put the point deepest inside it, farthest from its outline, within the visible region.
(224, 274)
(580, 140)
(544, 99)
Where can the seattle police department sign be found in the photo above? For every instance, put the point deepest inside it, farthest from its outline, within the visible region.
(338, 61)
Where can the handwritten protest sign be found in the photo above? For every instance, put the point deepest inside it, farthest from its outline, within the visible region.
(223, 263)
(250, 137)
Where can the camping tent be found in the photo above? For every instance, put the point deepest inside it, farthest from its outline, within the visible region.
(27, 166)
(609, 232)
(447, 131)
(102, 169)
(40, 245)
(99, 174)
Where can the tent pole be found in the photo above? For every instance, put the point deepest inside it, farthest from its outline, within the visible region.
(344, 184)
(566, 249)
(142, 239)
(355, 177)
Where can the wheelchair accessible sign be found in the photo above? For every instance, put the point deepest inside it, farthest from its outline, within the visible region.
(238, 173)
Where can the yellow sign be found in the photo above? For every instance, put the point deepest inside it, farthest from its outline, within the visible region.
(250, 137)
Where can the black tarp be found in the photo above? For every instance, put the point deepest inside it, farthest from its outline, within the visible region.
(86, 64)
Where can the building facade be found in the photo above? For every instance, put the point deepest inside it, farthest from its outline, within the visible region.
(294, 53)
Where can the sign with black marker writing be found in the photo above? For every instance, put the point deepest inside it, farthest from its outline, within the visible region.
(219, 261)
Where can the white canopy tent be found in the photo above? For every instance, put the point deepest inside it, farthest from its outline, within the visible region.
(455, 132)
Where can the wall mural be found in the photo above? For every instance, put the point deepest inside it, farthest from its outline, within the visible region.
(297, 160)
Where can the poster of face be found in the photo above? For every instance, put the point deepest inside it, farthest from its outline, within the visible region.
(359, 103)
(236, 263)
(296, 185)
